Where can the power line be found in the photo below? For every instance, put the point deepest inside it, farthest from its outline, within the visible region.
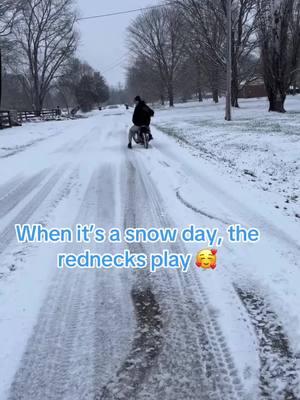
(112, 68)
(121, 12)
(116, 64)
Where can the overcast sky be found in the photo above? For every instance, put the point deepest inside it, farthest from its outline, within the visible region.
(103, 40)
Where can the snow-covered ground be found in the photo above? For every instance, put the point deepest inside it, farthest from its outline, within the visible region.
(229, 333)
(258, 146)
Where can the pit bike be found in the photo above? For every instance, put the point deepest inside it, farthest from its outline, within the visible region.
(143, 137)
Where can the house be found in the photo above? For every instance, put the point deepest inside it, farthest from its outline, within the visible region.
(253, 89)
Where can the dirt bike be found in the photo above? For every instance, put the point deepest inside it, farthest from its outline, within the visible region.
(143, 137)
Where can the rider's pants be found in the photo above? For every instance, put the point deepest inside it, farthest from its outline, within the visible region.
(133, 130)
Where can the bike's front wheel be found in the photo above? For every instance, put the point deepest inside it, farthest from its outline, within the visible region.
(146, 140)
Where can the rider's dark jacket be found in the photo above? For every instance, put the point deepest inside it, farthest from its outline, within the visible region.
(142, 114)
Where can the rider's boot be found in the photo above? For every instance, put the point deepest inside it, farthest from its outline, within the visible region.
(129, 145)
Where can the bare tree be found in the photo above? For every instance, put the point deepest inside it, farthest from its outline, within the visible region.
(274, 21)
(207, 20)
(244, 40)
(158, 35)
(46, 39)
(119, 95)
(143, 78)
(295, 45)
(186, 83)
(8, 11)
(206, 40)
(244, 43)
(70, 77)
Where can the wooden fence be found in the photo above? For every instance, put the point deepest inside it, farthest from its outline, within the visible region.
(11, 118)
(31, 115)
(5, 121)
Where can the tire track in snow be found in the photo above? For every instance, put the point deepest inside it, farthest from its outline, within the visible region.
(78, 145)
(279, 373)
(147, 338)
(19, 149)
(19, 254)
(42, 372)
(45, 372)
(7, 235)
(198, 211)
(144, 351)
(113, 310)
(72, 147)
(10, 185)
(189, 352)
(63, 191)
(16, 195)
(24, 147)
(280, 368)
(231, 202)
(217, 375)
(75, 346)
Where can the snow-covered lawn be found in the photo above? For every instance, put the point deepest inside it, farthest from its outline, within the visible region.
(256, 145)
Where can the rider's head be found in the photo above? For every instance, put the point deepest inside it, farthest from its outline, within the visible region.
(137, 99)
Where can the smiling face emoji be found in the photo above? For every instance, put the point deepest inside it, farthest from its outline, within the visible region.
(206, 259)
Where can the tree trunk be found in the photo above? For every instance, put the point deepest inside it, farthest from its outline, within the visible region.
(235, 96)
(66, 103)
(234, 87)
(235, 102)
(200, 98)
(38, 106)
(234, 72)
(276, 102)
(215, 95)
(0, 78)
(38, 110)
(171, 95)
(199, 83)
(36, 101)
(162, 99)
(275, 46)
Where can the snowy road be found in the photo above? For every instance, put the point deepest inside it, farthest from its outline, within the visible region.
(232, 333)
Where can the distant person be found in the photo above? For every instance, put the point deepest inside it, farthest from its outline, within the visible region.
(58, 111)
(127, 106)
(141, 117)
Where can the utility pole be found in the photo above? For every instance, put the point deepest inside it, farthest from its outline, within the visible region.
(229, 62)
(0, 78)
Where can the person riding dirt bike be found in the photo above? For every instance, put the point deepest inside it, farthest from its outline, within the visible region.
(141, 118)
